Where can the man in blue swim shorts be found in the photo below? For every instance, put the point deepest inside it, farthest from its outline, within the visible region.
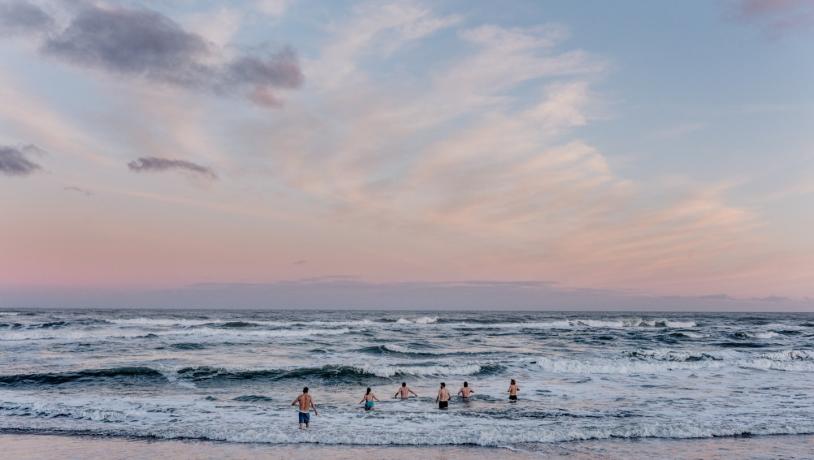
(306, 403)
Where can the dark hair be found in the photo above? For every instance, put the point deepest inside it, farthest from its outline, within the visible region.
(368, 391)
(443, 385)
(513, 382)
(404, 384)
(466, 384)
(305, 390)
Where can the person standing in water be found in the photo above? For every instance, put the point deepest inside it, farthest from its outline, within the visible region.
(306, 403)
(368, 399)
(404, 392)
(465, 392)
(513, 389)
(443, 397)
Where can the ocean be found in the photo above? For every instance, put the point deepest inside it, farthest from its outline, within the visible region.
(231, 375)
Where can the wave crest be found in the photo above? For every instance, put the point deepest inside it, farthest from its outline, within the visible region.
(85, 375)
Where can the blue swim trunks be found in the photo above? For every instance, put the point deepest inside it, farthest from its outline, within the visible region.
(368, 405)
(305, 417)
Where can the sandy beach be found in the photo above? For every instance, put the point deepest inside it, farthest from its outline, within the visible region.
(44, 446)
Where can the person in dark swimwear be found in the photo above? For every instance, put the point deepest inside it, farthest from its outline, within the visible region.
(306, 403)
(404, 392)
(443, 397)
(368, 399)
(513, 389)
(466, 391)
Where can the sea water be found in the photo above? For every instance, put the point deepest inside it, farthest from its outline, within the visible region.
(232, 375)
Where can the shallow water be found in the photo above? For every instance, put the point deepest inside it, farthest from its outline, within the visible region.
(231, 376)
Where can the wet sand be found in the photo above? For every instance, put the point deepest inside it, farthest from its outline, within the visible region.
(35, 446)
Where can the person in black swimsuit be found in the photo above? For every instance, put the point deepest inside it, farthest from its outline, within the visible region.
(513, 389)
(443, 397)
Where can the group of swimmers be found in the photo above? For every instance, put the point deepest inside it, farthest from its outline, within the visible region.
(306, 402)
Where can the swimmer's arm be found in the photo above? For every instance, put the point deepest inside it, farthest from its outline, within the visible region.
(295, 402)
(363, 400)
(413, 392)
(314, 406)
(377, 399)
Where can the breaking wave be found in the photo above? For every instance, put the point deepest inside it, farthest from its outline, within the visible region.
(252, 398)
(661, 361)
(420, 320)
(118, 374)
(331, 373)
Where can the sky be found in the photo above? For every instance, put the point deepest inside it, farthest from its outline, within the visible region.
(407, 154)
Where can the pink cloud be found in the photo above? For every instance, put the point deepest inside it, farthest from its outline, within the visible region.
(777, 17)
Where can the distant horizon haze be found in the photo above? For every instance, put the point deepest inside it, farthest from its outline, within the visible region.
(413, 296)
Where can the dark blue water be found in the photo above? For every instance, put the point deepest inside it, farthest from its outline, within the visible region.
(231, 376)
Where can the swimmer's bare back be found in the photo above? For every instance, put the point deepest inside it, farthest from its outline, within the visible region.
(306, 403)
(404, 392)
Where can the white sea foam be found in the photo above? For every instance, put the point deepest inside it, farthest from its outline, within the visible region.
(159, 322)
(427, 351)
(397, 348)
(419, 320)
(786, 327)
(422, 371)
(693, 335)
(119, 333)
(220, 322)
(681, 324)
(764, 335)
(581, 324)
(186, 418)
(275, 333)
(662, 361)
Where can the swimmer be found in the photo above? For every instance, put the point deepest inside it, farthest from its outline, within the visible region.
(404, 392)
(443, 397)
(513, 389)
(368, 399)
(466, 391)
(306, 403)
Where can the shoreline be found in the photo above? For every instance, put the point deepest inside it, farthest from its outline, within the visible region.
(43, 445)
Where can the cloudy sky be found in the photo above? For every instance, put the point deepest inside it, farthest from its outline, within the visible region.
(287, 153)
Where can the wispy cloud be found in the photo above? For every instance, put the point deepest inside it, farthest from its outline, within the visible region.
(510, 179)
(272, 8)
(31, 116)
(677, 131)
(375, 28)
(14, 160)
(80, 190)
(154, 164)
